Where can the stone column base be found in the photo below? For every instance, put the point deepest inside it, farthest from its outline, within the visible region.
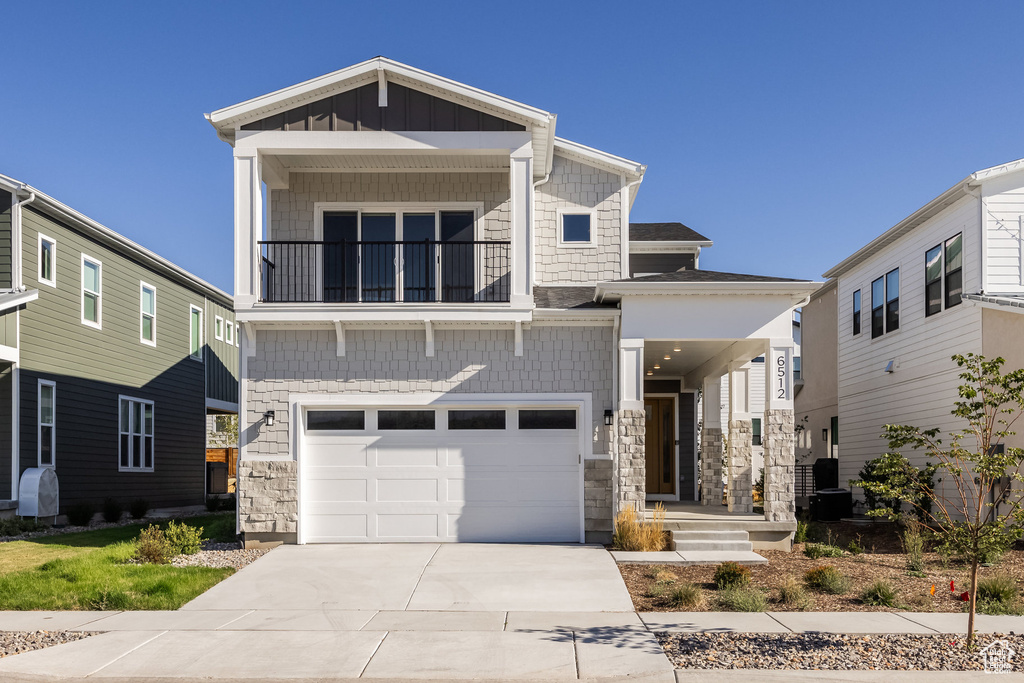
(740, 495)
(632, 484)
(268, 500)
(712, 450)
(779, 466)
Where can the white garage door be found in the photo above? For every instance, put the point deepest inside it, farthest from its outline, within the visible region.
(478, 474)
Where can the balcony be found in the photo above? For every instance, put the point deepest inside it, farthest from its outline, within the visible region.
(384, 272)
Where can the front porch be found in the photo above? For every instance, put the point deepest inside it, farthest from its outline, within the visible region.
(692, 516)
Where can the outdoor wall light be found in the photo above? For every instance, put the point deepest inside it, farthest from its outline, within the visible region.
(268, 418)
(824, 435)
(609, 418)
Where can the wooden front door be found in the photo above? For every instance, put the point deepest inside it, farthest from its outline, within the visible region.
(660, 443)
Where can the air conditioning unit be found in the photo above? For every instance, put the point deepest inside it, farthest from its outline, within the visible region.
(38, 493)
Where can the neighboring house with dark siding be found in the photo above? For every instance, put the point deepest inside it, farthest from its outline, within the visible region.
(110, 359)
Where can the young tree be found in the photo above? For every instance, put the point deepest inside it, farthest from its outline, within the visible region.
(974, 467)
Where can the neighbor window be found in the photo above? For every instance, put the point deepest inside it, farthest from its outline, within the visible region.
(954, 270)
(218, 328)
(755, 428)
(136, 432)
(195, 333)
(47, 260)
(878, 308)
(229, 333)
(147, 308)
(238, 335)
(47, 436)
(856, 312)
(933, 280)
(92, 287)
(796, 369)
(576, 228)
(892, 300)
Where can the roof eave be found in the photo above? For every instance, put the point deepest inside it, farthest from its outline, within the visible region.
(612, 291)
(616, 163)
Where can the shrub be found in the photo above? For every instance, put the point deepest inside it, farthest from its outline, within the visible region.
(184, 539)
(688, 595)
(920, 602)
(742, 599)
(828, 580)
(212, 503)
(152, 546)
(632, 533)
(997, 588)
(855, 547)
(990, 557)
(80, 514)
(880, 594)
(800, 536)
(138, 508)
(15, 526)
(759, 488)
(656, 589)
(731, 574)
(112, 511)
(227, 503)
(792, 593)
(913, 546)
(818, 550)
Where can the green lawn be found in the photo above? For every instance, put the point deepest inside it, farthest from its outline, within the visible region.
(87, 570)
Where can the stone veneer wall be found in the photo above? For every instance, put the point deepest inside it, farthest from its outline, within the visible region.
(597, 500)
(574, 185)
(740, 495)
(632, 484)
(780, 466)
(267, 496)
(712, 452)
(292, 210)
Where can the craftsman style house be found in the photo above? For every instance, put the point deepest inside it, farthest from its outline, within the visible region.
(451, 331)
(879, 336)
(110, 359)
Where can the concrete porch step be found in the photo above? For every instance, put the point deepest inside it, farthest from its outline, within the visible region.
(710, 535)
(723, 546)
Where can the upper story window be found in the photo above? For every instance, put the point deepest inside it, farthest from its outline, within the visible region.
(92, 287)
(218, 328)
(195, 333)
(856, 312)
(238, 335)
(885, 303)
(943, 275)
(953, 267)
(229, 333)
(575, 229)
(47, 260)
(147, 314)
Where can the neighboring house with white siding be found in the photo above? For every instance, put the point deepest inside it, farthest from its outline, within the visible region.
(451, 331)
(946, 280)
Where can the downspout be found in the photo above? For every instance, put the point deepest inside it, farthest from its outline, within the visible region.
(18, 285)
(533, 216)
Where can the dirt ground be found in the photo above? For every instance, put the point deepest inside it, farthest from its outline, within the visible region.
(882, 558)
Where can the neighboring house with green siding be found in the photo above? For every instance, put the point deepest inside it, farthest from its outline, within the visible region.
(110, 359)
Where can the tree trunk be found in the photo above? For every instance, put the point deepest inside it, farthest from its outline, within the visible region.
(973, 603)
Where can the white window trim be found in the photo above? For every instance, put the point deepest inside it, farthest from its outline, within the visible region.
(218, 328)
(591, 244)
(199, 356)
(143, 286)
(99, 294)
(53, 261)
(229, 333)
(120, 399)
(52, 425)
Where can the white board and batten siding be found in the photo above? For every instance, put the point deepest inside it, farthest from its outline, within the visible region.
(923, 386)
(1002, 208)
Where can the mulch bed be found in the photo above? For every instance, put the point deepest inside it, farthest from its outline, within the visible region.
(828, 652)
(884, 559)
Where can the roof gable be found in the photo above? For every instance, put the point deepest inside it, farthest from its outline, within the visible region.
(664, 232)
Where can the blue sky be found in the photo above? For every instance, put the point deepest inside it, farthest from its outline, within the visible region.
(790, 133)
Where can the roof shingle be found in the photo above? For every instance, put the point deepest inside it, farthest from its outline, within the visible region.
(664, 232)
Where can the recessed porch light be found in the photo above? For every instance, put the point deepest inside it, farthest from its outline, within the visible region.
(657, 367)
(667, 357)
(676, 348)
(650, 372)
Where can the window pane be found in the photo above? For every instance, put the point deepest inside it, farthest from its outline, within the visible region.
(320, 420)
(877, 322)
(91, 276)
(476, 419)
(147, 328)
(46, 260)
(136, 450)
(575, 227)
(148, 300)
(856, 312)
(196, 326)
(892, 285)
(834, 423)
(125, 419)
(405, 419)
(46, 404)
(892, 315)
(91, 307)
(228, 333)
(933, 264)
(877, 293)
(458, 256)
(148, 411)
(547, 419)
(933, 297)
(46, 445)
(954, 253)
(378, 262)
(125, 450)
(136, 418)
(954, 288)
(219, 326)
(149, 452)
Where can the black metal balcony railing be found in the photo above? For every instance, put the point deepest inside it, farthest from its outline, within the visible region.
(382, 272)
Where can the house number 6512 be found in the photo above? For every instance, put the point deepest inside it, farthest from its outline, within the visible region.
(780, 376)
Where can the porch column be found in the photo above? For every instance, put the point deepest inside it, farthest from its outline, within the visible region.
(779, 438)
(632, 464)
(248, 226)
(521, 188)
(741, 493)
(711, 442)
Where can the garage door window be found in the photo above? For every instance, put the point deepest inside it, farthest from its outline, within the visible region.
(331, 420)
(405, 419)
(547, 419)
(476, 419)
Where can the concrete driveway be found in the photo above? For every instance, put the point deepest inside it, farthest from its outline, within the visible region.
(428, 577)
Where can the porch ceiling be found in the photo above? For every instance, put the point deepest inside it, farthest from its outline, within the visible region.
(696, 356)
(364, 163)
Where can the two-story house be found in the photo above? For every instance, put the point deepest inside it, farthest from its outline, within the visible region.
(451, 331)
(110, 359)
(880, 334)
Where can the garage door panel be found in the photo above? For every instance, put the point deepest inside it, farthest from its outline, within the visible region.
(342, 490)
(407, 490)
(337, 455)
(405, 525)
(340, 526)
(512, 524)
(406, 456)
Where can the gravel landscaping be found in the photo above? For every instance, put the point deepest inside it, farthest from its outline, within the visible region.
(219, 555)
(16, 642)
(828, 652)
